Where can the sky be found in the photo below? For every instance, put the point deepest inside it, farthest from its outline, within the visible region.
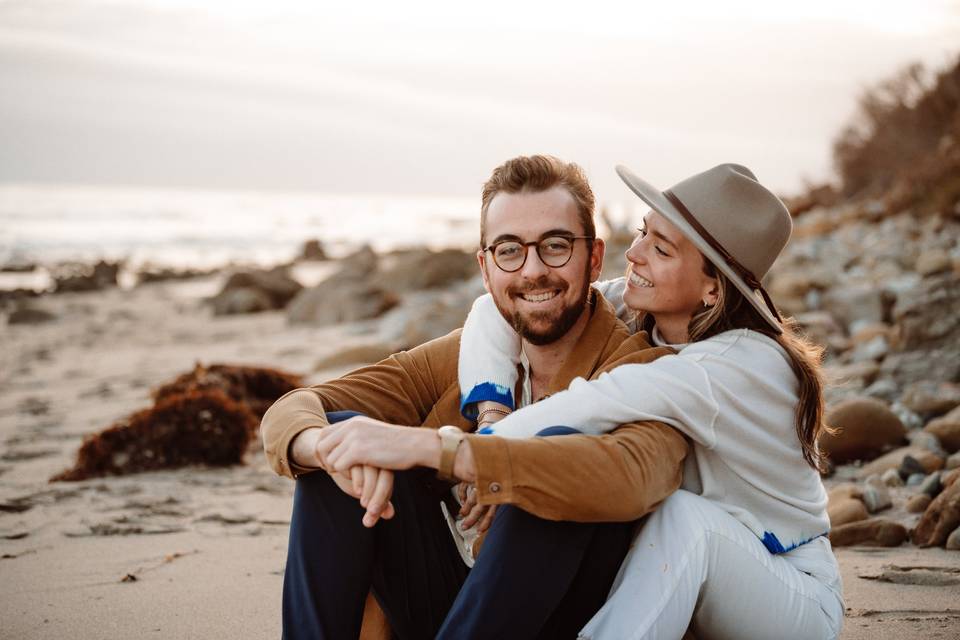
(425, 98)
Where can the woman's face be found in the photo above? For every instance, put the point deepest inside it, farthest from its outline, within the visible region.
(665, 275)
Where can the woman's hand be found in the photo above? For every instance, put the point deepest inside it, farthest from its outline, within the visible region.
(364, 441)
(472, 511)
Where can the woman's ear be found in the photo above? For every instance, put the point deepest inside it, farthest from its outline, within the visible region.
(711, 292)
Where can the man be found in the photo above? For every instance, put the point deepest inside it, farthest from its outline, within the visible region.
(555, 545)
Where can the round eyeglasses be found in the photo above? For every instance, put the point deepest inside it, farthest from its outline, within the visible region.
(554, 251)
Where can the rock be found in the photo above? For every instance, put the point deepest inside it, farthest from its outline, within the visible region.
(250, 291)
(947, 430)
(847, 373)
(953, 540)
(947, 478)
(910, 466)
(926, 441)
(882, 389)
(357, 354)
(910, 419)
(876, 497)
(940, 518)
(334, 301)
(864, 332)
(30, 315)
(953, 462)
(818, 325)
(852, 303)
(918, 503)
(82, 278)
(932, 261)
(843, 492)
(915, 479)
(418, 269)
(875, 349)
(846, 510)
(892, 478)
(359, 265)
(923, 363)
(866, 428)
(893, 459)
(875, 532)
(241, 300)
(928, 316)
(313, 250)
(931, 485)
(437, 319)
(931, 398)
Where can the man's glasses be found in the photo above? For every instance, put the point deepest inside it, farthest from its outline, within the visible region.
(554, 251)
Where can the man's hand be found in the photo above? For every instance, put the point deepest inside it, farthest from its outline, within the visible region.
(364, 441)
(372, 487)
(472, 511)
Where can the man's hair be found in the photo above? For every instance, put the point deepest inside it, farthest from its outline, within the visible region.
(535, 174)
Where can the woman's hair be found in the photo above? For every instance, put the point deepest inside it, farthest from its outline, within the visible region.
(733, 311)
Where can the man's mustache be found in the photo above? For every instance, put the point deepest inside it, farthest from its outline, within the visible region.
(536, 285)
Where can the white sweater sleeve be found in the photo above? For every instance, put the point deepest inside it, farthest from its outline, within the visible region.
(489, 355)
(612, 290)
(673, 389)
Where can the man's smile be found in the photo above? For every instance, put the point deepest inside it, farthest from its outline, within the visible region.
(539, 297)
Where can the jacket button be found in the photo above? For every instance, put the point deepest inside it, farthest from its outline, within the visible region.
(494, 487)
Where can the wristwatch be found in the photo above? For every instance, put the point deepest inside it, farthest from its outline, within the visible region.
(450, 439)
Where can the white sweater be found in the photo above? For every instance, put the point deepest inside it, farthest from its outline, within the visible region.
(734, 395)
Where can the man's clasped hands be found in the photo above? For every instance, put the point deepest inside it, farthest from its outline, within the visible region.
(361, 455)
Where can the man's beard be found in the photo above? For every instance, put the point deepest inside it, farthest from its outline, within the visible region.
(555, 326)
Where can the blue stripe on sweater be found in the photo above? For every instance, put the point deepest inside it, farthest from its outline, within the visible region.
(774, 545)
(481, 393)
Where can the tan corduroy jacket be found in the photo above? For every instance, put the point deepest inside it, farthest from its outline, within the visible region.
(610, 478)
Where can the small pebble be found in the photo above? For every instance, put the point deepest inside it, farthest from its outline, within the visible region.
(953, 540)
(916, 479)
(891, 478)
(931, 485)
(910, 466)
(876, 498)
(918, 503)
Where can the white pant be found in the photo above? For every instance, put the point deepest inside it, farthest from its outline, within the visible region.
(694, 565)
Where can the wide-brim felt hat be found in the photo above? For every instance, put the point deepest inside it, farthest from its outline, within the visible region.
(737, 224)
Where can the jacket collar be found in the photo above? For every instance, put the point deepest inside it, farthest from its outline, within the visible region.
(591, 349)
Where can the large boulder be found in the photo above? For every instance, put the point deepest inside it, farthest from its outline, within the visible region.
(940, 518)
(255, 290)
(845, 511)
(415, 269)
(864, 428)
(338, 300)
(875, 532)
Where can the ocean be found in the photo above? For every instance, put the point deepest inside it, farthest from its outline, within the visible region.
(182, 228)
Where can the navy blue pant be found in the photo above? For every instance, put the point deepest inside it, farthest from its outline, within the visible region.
(534, 578)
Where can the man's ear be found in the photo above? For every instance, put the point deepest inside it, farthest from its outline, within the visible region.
(596, 258)
(482, 261)
(711, 292)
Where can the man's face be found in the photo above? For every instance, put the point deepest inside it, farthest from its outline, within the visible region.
(542, 303)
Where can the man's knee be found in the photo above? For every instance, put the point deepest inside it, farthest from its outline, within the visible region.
(557, 431)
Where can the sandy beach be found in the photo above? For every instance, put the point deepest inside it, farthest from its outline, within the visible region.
(199, 552)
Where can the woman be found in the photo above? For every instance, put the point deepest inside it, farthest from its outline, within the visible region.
(740, 551)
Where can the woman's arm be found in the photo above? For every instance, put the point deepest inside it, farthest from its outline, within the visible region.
(673, 389)
(490, 350)
(489, 355)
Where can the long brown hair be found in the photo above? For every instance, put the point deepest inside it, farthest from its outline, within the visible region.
(733, 311)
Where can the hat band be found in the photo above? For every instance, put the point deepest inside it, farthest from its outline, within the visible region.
(752, 281)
